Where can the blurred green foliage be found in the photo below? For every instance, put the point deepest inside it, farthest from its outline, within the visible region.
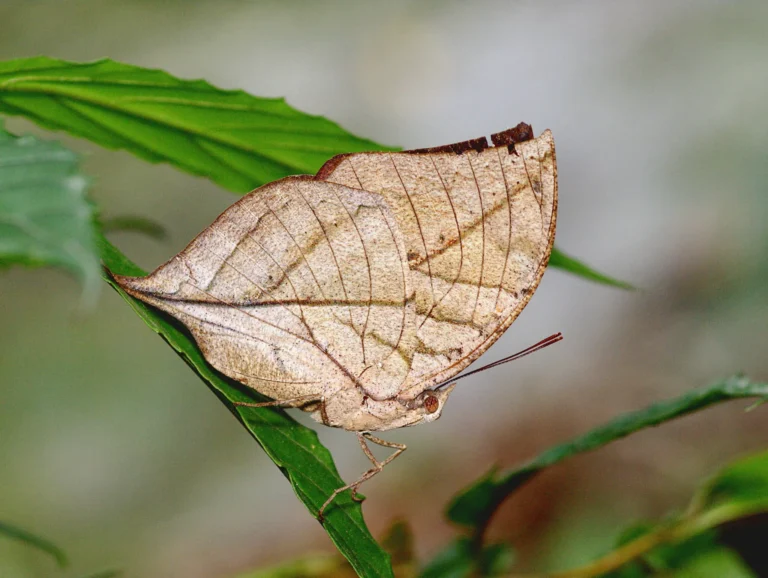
(35, 541)
(474, 507)
(45, 216)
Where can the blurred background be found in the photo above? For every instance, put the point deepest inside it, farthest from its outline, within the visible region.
(113, 449)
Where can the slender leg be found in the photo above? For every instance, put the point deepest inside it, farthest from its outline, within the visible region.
(377, 466)
(366, 450)
(399, 449)
(369, 454)
(294, 402)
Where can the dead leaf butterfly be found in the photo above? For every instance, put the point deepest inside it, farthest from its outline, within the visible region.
(360, 293)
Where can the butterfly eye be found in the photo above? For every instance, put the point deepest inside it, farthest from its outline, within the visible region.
(431, 404)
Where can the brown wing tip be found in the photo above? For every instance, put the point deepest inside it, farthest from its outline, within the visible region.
(475, 144)
(520, 133)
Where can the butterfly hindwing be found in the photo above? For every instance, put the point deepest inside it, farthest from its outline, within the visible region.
(294, 290)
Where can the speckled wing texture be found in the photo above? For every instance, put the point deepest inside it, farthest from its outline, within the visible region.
(478, 224)
(390, 272)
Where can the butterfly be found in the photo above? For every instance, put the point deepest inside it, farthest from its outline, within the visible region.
(360, 293)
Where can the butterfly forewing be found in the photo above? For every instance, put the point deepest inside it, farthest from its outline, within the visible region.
(478, 227)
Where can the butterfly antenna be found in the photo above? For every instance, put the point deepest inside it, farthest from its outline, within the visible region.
(528, 350)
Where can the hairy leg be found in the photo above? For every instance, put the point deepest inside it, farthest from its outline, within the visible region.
(377, 466)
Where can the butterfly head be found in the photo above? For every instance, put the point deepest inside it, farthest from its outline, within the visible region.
(429, 404)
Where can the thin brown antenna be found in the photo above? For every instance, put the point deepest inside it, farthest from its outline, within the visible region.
(528, 350)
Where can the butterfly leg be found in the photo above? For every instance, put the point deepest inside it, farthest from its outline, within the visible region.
(293, 402)
(399, 449)
(377, 467)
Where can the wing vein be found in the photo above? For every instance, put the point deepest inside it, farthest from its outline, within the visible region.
(405, 288)
(279, 266)
(461, 244)
(354, 172)
(509, 232)
(225, 261)
(312, 341)
(482, 222)
(418, 224)
(367, 262)
(301, 251)
(251, 315)
(333, 254)
(530, 183)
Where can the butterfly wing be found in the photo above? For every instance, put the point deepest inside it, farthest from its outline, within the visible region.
(387, 272)
(478, 224)
(300, 288)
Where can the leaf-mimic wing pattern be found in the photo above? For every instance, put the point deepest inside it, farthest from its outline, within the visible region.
(372, 282)
(295, 290)
(478, 224)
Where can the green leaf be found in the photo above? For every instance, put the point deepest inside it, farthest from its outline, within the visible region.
(45, 217)
(474, 506)
(35, 541)
(694, 558)
(672, 556)
(566, 263)
(295, 449)
(663, 557)
(235, 139)
(715, 563)
(745, 482)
